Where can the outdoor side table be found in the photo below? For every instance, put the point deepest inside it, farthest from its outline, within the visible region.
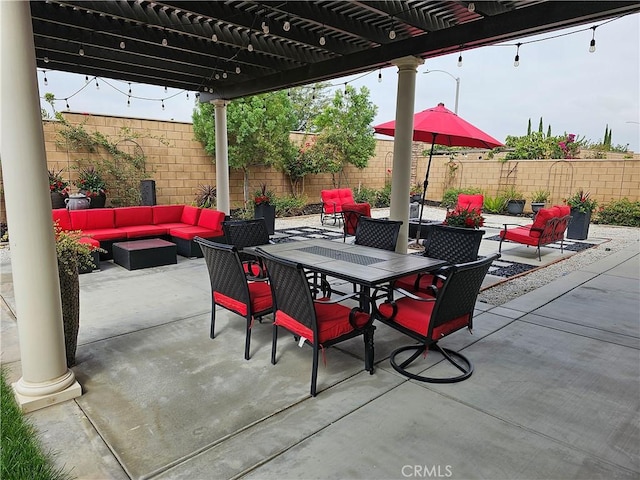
(136, 254)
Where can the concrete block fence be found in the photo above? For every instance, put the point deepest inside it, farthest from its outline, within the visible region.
(182, 165)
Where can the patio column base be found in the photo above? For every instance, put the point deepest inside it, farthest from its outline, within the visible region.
(31, 397)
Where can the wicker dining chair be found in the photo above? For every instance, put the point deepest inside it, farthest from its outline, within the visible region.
(378, 233)
(351, 213)
(320, 322)
(452, 244)
(427, 318)
(232, 289)
(247, 233)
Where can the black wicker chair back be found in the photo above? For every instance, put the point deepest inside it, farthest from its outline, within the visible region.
(231, 289)
(247, 233)
(297, 311)
(453, 244)
(378, 233)
(448, 310)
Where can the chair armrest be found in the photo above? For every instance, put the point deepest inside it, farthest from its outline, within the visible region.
(415, 297)
(339, 299)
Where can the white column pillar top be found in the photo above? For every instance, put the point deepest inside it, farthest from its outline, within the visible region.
(408, 62)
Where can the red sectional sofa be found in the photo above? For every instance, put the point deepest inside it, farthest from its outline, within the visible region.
(177, 223)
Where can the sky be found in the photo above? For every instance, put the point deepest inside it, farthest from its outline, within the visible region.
(558, 80)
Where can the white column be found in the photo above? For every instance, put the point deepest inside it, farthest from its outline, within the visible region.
(222, 157)
(45, 380)
(403, 137)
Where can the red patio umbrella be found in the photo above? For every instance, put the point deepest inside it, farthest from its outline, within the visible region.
(441, 126)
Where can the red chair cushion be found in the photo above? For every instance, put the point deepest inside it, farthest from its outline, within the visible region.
(470, 202)
(330, 199)
(542, 217)
(166, 213)
(188, 233)
(128, 216)
(408, 283)
(332, 318)
(520, 235)
(259, 294)
(416, 315)
(563, 209)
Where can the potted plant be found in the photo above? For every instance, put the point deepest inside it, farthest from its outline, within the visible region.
(263, 207)
(415, 193)
(539, 199)
(581, 209)
(206, 196)
(515, 200)
(464, 217)
(91, 184)
(59, 188)
(73, 256)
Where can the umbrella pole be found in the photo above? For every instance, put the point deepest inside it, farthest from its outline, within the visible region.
(424, 190)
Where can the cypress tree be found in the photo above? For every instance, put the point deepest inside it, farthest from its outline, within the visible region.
(549, 131)
(529, 128)
(540, 126)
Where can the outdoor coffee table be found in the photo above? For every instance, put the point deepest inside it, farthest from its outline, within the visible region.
(137, 254)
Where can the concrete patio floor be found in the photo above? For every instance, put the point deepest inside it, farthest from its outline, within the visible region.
(555, 393)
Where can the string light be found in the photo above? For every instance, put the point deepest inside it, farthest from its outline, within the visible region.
(86, 79)
(217, 76)
(128, 101)
(46, 59)
(238, 70)
(164, 42)
(224, 74)
(165, 89)
(214, 37)
(471, 7)
(97, 84)
(81, 51)
(123, 45)
(460, 60)
(67, 103)
(187, 95)
(380, 76)
(516, 60)
(46, 82)
(286, 26)
(392, 32)
(129, 88)
(322, 41)
(162, 102)
(265, 26)
(592, 44)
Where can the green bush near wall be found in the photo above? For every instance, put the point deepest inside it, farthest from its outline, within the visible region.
(619, 212)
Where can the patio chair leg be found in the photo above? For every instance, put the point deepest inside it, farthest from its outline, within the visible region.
(314, 371)
(213, 320)
(274, 342)
(369, 354)
(247, 341)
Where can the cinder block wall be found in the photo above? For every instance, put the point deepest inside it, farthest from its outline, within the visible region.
(180, 167)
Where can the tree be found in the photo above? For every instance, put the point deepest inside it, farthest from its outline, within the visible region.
(549, 131)
(307, 103)
(529, 127)
(540, 127)
(346, 135)
(258, 130)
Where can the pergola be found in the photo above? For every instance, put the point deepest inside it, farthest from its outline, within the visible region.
(224, 50)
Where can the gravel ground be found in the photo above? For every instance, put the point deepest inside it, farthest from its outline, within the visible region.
(619, 238)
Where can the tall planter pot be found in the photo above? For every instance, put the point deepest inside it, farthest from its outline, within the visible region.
(578, 228)
(70, 296)
(98, 201)
(268, 212)
(57, 200)
(515, 207)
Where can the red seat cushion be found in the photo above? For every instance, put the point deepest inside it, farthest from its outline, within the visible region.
(106, 234)
(90, 241)
(408, 283)
(259, 293)
(188, 233)
(416, 315)
(128, 216)
(332, 318)
(520, 235)
(137, 231)
(330, 199)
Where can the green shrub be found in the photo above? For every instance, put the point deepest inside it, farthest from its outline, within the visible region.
(289, 205)
(619, 212)
(383, 197)
(22, 455)
(494, 204)
(365, 195)
(450, 197)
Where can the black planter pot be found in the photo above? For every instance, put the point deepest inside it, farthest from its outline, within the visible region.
(535, 206)
(97, 201)
(578, 228)
(268, 212)
(515, 207)
(57, 200)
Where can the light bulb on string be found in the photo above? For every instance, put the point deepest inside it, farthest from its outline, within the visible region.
(471, 7)
(187, 95)
(165, 89)
(123, 45)
(81, 51)
(46, 82)
(86, 79)
(286, 26)
(162, 102)
(67, 103)
(238, 70)
(224, 74)
(265, 27)
(592, 44)
(217, 77)
(322, 41)
(128, 101)
(129, 88)
(460, 60)
(214, 37)
(380, 76)
(46, 59)
(164, 42)
(97, 84)
(250, 47)
(516, 60)
(392, 34)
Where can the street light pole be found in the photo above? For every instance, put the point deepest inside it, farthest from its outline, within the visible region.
(457, 79)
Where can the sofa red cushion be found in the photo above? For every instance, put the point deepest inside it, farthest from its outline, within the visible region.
(128, 216)
(211, 219)
(90, 241)
(92, 219)
(105, 234)
(138, 231)
(521, 235)
(61, 215)
(190, 215)
(542, 217)
(563, 209)
(335, 198)
(188, 233)
(166, 213)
